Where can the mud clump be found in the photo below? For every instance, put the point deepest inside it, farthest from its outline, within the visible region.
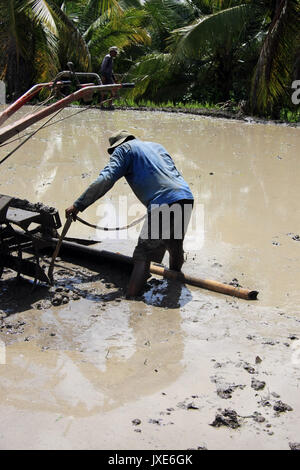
(265, 403)
(59, 299)
(225, 391)
(235, 283)
(227, 418)
(188, 405)
(258, 417)
(155, 421)
(281, 407)
(294, 445)
(57, 296)
(257, 384)
(136, 422)
(12, 328)
(249, 368)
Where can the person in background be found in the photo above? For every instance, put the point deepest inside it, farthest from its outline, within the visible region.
(107, 74)
(155, 180)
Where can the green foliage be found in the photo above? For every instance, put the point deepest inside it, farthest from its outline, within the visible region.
(150, 74)
(33, 36)
(212, 34)
(125, 30)
(273, 73)
(289, 115)
(178, 52)
(28, 43)
(163, 17)
(142, 103)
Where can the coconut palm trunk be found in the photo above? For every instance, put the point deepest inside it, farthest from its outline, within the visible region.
(274, 71)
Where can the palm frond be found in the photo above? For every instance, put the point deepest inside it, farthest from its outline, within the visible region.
(43, 14)
(94, 9)
(72, 45)
(168, 14)
(150, 74)
(272, 77)
(126, 4)
(211, 32)
(126, 29)
(45, 55)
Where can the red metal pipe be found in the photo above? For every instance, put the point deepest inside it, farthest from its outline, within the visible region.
(22, 100)
(13, 129)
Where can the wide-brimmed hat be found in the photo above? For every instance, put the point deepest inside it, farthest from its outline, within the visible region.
(119, 138)
(114, 48)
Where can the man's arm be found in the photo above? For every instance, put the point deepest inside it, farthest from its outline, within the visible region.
(116, 168)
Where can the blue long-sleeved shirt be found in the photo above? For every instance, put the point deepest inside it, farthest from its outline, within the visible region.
(148, 169)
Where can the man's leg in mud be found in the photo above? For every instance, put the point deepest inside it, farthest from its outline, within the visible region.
(145, 252)
(106, 102)
(176, 253)
(179, 225)
(105, 96)
(138, 279)
(113, 97)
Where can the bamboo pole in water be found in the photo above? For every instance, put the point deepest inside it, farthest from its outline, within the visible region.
(166, 273)
(205, 283)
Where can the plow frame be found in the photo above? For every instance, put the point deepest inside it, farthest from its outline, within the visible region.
(17, 235)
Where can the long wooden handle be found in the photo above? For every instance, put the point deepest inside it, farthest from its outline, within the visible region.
(59, 243)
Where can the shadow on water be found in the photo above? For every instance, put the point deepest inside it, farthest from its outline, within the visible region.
(19, 295)
(166, 294)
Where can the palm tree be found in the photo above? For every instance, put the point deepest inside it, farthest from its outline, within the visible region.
(31, 35)
(219, 39)
(156, 75)
(202, 50)
(119, 27)
(273, 75)
(18, 31)
(229, 28)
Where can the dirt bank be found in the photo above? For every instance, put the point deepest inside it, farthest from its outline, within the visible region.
(222, 113)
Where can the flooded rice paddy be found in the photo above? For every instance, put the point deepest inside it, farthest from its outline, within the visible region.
(76, 375)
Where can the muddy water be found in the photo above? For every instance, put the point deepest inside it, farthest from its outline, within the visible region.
(244, 177)
(108, 364)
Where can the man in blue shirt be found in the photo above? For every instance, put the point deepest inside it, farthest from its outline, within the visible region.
(153, 177)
